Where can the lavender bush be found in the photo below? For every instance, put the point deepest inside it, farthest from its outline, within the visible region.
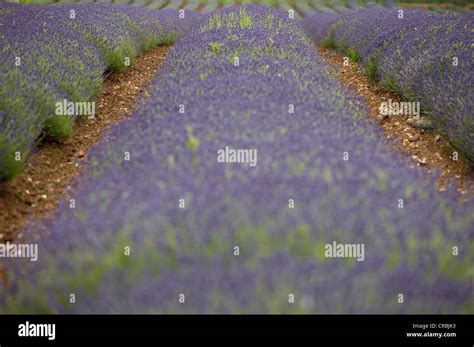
(51, 53)
(182, 213)
(424, 56)
(317, 25)
(436, 71)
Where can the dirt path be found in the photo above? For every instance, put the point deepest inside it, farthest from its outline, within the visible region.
(48, 174)
(201, 6)
(427, 148)
(184, 4)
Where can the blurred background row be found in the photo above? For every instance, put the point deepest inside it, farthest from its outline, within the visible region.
(301, 7)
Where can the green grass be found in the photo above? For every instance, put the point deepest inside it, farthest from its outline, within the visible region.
(58, 127)
(328, 42)
(168, 39)
(353, 55)
(391, 85)
(150, 41)
(10, 165)
(371, 70)
(116, 58)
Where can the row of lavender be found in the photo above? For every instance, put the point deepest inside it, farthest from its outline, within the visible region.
(60, 52)
(424, 56)
(159, 224)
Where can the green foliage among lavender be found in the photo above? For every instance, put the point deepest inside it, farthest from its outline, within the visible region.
(317, 26)
(57, 52)
(425, 56)
(301, 7)
(134, 204)
(58, 127)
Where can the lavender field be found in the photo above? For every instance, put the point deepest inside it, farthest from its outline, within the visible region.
(234, 187)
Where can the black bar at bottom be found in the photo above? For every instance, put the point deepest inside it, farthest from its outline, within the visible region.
(443, 330)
